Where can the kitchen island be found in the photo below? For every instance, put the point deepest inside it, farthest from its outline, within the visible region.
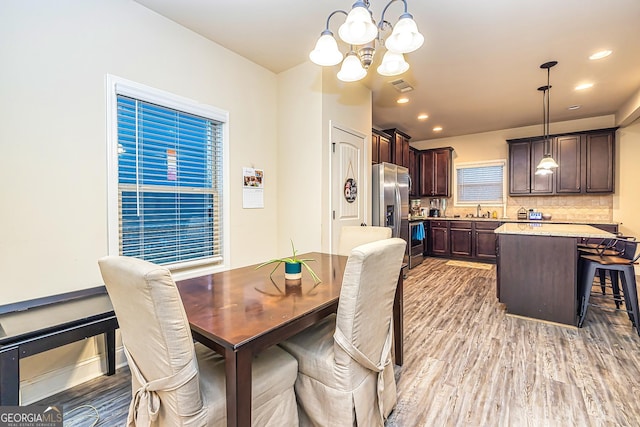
(537, 269)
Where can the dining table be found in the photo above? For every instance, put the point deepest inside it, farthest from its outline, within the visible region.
(242, 311)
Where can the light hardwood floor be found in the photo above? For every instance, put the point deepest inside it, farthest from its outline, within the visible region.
(467, 363)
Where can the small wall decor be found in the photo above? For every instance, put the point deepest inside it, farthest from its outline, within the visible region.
(350, 186)
(252, 188)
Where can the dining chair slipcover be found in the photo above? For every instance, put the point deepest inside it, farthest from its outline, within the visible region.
(175, 383)
(355, 235)
(344, 362)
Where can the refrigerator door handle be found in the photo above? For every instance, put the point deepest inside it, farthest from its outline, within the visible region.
(398, 212)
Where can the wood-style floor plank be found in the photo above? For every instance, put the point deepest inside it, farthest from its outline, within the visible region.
(466, 363)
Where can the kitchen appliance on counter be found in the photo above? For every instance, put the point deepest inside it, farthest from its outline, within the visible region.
(437, 207)
(416, 208)
(434, 208)
(390, 199)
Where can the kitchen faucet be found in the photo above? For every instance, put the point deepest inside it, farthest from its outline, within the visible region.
(478, 211)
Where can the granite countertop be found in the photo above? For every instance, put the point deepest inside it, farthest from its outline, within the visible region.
(513, 220)
(558, 230)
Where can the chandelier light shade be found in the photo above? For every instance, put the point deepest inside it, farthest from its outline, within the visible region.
(362, 33)
(547, 164)
(326, 52)
(358, 28)
(352, 69)
(405, 37)
(392, 64)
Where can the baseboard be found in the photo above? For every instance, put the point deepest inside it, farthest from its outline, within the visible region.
(50, 383)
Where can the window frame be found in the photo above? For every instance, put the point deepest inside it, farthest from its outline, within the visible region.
(118, 86)
(484, 163)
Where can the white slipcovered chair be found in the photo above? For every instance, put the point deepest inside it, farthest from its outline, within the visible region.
(354, 235)
(344, 363)
(173, 384)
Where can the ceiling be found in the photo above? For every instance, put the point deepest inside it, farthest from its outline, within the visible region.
(478, 69)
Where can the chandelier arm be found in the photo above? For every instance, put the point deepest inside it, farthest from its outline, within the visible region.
(387, 7)
(333, 13)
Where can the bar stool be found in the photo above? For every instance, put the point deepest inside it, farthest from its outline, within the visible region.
(614, 265)
(607, 247)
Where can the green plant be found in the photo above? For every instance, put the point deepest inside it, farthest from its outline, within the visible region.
(292, 260)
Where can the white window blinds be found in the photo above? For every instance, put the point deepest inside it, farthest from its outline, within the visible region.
(170, 166)
(477, 183)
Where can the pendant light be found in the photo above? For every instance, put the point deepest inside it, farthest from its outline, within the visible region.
(547, 164)
(362, 33)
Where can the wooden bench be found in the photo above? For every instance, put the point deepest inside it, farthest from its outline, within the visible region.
(33, 326)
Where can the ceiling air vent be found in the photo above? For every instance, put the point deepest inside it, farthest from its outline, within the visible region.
(401, 86)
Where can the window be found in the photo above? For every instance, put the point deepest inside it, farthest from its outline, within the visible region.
(168, 178)
(481, 182)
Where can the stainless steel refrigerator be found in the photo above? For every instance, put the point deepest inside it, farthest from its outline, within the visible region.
(390, 198)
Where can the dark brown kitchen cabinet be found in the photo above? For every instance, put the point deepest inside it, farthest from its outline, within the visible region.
(438, 243)
(414, 168)
(435, 172)
(380, 147)
(524, 156)
(485, 240)
(400, 143)
(585, 164)
(599, 151)
(568, 154)
(461, 238)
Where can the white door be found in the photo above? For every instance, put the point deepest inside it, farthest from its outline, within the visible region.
(348, 188)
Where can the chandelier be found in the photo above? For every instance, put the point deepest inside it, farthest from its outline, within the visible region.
(547, 164)
(361, 32)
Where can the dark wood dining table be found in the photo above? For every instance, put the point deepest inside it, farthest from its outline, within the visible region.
(240, 312)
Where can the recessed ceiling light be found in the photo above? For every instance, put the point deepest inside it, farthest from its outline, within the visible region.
(402, 100)
(437, 129)
(601, 54)
(574, 107)
(423, 117)
(584, 86)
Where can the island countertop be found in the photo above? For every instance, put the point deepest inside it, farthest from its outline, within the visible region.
(557, 230)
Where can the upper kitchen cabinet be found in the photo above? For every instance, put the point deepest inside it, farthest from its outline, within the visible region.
(524, 155)
(585, 164)
(400, 143)
(414, 168)
(435, 172)
(381, 148)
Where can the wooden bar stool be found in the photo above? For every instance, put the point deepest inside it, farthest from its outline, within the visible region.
(614, 265)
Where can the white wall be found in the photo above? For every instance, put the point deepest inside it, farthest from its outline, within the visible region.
(53, 132)
(311, 99)
(626, 201)
(53, 166)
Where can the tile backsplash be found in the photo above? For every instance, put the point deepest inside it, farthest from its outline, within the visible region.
(579, 208)
(597, 208)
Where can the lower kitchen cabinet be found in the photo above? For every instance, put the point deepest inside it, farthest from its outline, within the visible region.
(461, 238)
(485, 240)
(473, 240)
(438, 243)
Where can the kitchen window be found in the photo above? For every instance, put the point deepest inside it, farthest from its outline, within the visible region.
(166, 177)
(480, 183)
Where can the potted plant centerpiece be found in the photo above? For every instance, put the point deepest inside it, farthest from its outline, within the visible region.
(292, 268)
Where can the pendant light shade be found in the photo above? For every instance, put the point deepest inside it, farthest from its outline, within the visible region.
(405, 37)
(547, 164)
(362, 33)
(326, 52)
(351, 70)
(393, 64)
(358, 27)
